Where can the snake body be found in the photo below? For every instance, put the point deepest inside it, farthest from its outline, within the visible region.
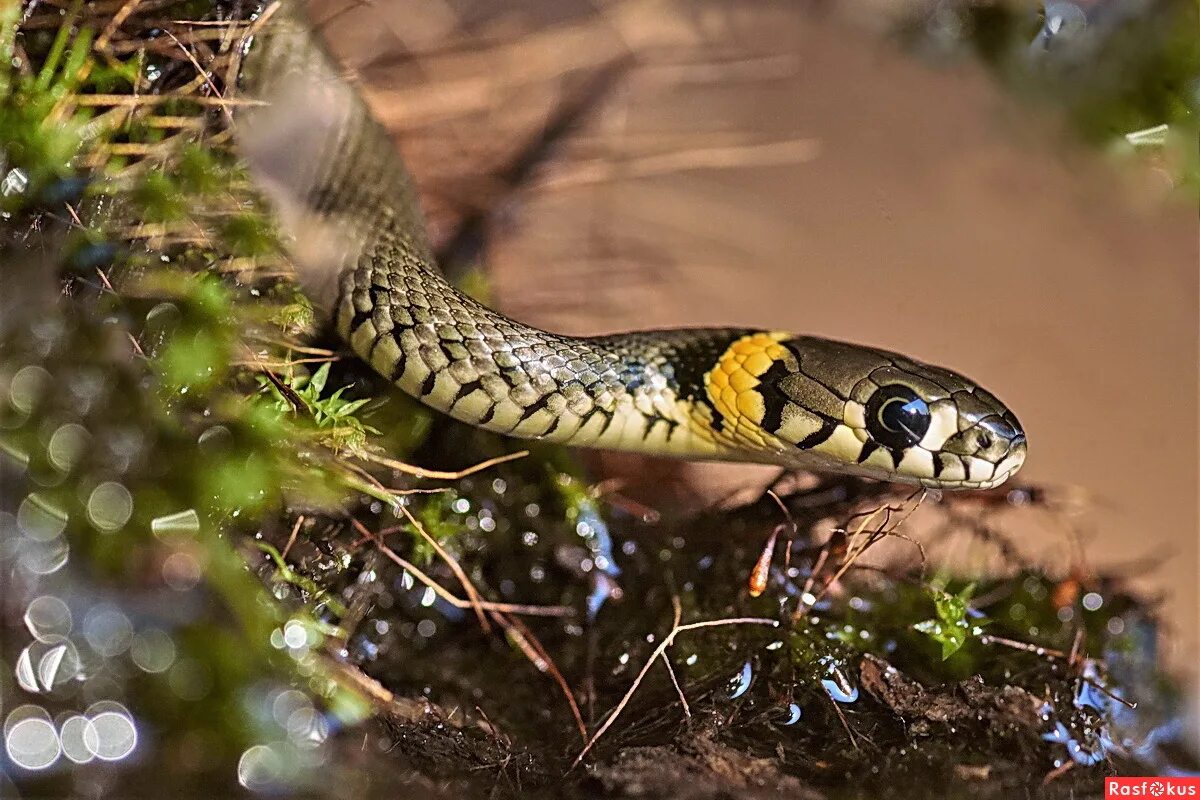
(736, 394)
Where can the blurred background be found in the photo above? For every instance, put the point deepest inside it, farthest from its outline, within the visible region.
(958, 184)
(192, 516)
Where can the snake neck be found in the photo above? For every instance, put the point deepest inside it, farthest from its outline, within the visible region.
(626, 391)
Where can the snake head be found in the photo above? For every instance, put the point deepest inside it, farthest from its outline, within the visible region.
(834, 406)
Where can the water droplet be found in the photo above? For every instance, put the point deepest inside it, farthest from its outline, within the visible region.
(71, 735)
(26, 677)
(107, 630)
(48, 618)
(307, 727)
(110, 506)
(1092, 601)
(180, 522)
(181, 571)
(153, 650)
(794, 713)
(66, 445)
(836, 684)
(740, 683)
(48, 666)
(15, 182)
(260, 769)
(294, 634)
(111, 734)
(39, 519)
(30, 738)
(44, 558)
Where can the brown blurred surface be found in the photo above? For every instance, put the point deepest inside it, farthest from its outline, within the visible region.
(762, 164)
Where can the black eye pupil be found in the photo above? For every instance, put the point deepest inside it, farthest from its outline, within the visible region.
(897, 417)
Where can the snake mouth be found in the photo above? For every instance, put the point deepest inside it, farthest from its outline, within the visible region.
(1002, 469)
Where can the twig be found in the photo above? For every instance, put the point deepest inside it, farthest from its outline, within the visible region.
(532, 647)
(400, 707)
(455, 567)
(1037, 650)
(658, 651)
(458, 602)
(842, 717)
(421, 472)
(292, 539)
(678, 609)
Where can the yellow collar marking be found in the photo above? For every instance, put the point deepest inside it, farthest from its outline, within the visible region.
(732, 384)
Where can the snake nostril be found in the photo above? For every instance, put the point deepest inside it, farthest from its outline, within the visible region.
(984, 440)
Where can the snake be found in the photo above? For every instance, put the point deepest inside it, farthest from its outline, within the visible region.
(356, 235)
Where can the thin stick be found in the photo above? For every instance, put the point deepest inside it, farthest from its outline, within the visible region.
(989, 638)
(678, 609)
(455, 567)
(658, 651)
(421, 472)
(458, 602)
(532, 647)
(292, 539)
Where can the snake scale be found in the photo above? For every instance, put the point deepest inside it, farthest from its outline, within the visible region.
(358, 240)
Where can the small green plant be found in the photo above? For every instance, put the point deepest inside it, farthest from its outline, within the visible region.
(953, 625)
(333, 414)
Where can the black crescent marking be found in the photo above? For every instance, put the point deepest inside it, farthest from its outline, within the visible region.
(610, 417)
(592, 415)
(554, 427)
(937, 464)
(401, 362)
(537, 405)
(670, 423)
(430, 382)
(358, 320)
(818, 436)
(465, 390)
(867, 449)
(490, 414)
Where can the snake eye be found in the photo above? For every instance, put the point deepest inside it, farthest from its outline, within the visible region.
(896, 416)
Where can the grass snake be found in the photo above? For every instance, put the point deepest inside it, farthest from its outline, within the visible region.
(358, 240)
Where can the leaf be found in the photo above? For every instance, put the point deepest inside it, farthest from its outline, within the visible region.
(352, 406)
(951, 628)
(317, 382)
